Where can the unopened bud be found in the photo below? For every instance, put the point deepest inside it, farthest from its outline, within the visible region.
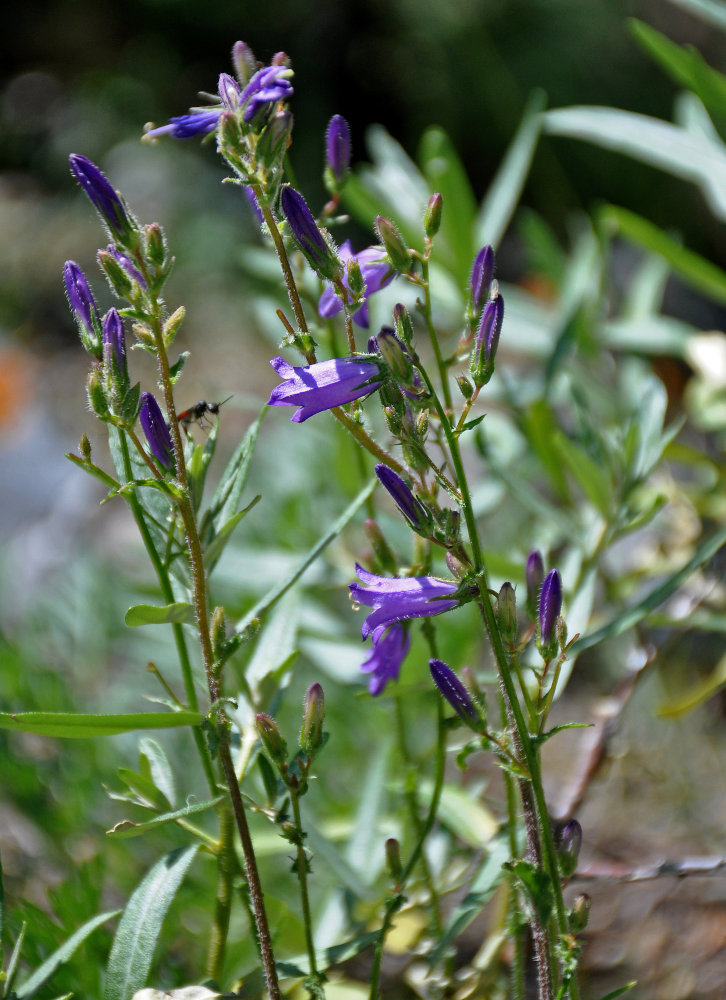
(311, 733)
(404, 326)
(97, 394)
(481, 366)
(155, 245)
(482, 273)
(432, 216)
(393, 860)
(229, 132)
(355, 280)
(395, 355)
(396, 251)
(507, 612)
(550, 605)
(455, 693)
(465, 387)
(457, 568)
(580, 913)
(568, 841)
(218, 629)
(85, 448)
(337, 152)
(244, 62)
(118, 279)
(315, 248)
(417, 515)
(275, 139)
(271, 738)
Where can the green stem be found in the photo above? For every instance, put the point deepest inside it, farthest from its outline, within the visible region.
(226, 866)
(433, 336)
(301, 869)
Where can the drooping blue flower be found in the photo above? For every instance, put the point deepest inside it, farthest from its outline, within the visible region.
(384, 661)
(105, 200)
(396, 600)
(156, 431)
(321, 255)
(83, 306)
(337, 148)
(550, 606)
(323, 385)
(377, 273)
(454, 691)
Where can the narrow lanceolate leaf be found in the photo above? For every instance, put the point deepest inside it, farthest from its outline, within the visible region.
(126, 828)
(149, 614)
(141, 923)
(50, 966)
(69, 725)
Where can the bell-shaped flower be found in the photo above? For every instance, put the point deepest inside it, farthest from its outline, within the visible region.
(324, 385)
(397, 600)
(385, 659)
(376, 272)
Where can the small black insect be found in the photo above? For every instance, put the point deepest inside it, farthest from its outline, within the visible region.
(200, 414)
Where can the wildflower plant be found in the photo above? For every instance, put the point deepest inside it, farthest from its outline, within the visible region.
(412, 399)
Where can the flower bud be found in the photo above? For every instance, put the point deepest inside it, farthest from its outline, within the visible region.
(481, 366)
(404, 326)
(432, 216)
(418, 516)
(456, 567)
(218, 631)
(275, 139)
(355, 280)
(506, 611)
(393, 859)
(568, 841)
(385, 559)
(271, 738)
(83, 307)
(395, 355)
(317, 251)
(85, 448)
(229, 92)
(534, 575)
(311, 733)
(454, 692)
(337, 152)
(155, 244)
(580, 913)
(482, 273)
(156, 431)
(465, 387)
(118, 279)
(104, 199)
(244, 62)
(550, 605)
(114, 349)
(97, 394)
(396, 251)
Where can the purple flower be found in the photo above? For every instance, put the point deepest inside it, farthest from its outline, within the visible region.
(550, 605)
(266, 86)
(83, 306)
(385, 659)
(487, 341)
(395, 600)
(454, 691)
(321, 256)
(412, 509)
(230, 92)
(482, 273)
(337, 148)
(128, 266)
(114, 343)
(200, 122)
(156, 431)
(104, 198)
(377, 273)
(323, 385)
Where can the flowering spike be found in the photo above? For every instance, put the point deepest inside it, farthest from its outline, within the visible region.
(455, 693)
(324, 385)
(83, 307)
(550, 605)
(395, 600)
(318, 253)
(105, 200)
(487, 341)
(156, 431)
(412, 509)
(385, 659)
(482, 273)
(337, 152)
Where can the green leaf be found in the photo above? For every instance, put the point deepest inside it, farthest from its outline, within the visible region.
(540, 426)
(126, 828)
(154, 761)
(614, 994)
(176, 369)
(537, 887)
(699, 273)
(446, 174)
(145, 791)
(150, 614)
(685, 65)
(588, 474)
(50, 966)
(69, 725)
(631, 616)
(505, 190)
(483, 886)
(697, 693)
(12, 968)
(689, 154)
(138, 931)
(337, 953)
(217, 545)
(275, 593)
